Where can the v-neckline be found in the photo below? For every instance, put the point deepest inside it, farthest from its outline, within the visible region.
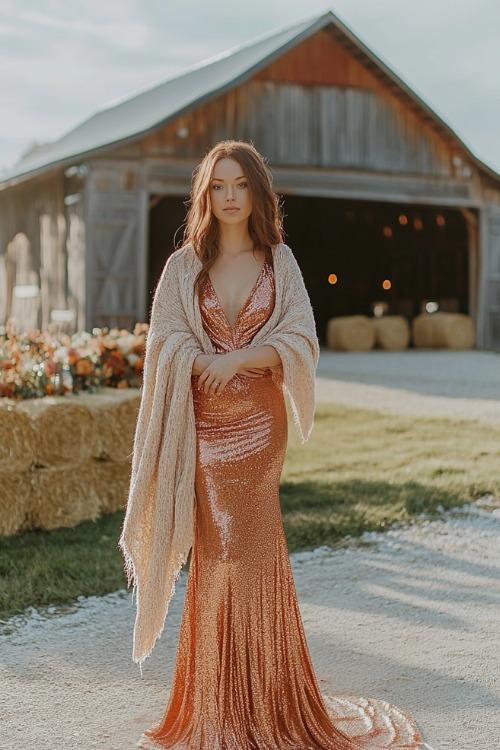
(244, 304)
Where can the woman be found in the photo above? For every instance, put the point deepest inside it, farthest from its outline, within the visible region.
(231, 331)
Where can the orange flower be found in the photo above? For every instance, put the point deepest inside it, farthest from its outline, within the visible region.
(83, 367)
(50, 389)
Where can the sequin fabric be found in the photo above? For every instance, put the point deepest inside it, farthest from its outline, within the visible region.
(243, 677)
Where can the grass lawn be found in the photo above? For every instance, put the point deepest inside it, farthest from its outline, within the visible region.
(359, 470)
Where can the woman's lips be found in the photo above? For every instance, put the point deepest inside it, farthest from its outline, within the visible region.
(232, 209)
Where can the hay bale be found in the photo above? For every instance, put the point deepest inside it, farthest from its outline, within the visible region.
(65, 432)
(392, 332)
(15, 502)
(17, 439)
(422, 329)
(350, 333)
(115, 423)
(63, 496)
(442, 330)
(112, 481)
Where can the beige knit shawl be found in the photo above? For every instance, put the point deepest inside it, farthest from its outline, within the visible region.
(158, 528)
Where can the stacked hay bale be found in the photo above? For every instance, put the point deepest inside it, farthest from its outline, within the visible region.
(17, 454)
(65, 459)
(350, 333)
(392, 333)
(442, 330)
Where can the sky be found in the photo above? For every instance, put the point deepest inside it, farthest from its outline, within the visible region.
(62, 61)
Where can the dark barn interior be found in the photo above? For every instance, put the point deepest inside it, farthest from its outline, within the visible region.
(166, 218)
(357, 257)
(358, 254)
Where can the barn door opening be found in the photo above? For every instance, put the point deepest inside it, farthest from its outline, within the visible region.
(166, 217)
(356, 255)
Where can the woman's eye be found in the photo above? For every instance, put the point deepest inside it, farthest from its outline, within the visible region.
(242, 184)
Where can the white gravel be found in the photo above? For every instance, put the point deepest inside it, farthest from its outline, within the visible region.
(411, 616)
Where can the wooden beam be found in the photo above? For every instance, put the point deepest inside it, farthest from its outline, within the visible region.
(472, 224)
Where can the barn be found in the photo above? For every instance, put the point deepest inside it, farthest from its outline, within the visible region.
(385, 207)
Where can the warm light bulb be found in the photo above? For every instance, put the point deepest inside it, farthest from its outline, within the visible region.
(386, 284)
(387, 232)
(332, 279)
(403, 220)
(440, 220)
(418, 224)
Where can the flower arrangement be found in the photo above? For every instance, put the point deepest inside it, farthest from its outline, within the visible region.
(37, 363)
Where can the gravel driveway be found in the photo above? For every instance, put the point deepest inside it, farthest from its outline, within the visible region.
(411, 616)
(464, 385)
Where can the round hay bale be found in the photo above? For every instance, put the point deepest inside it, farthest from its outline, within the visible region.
(116, 421)
(112, 481)
(15, 502)
(65, 432)
(443, 330)
(63, 496)
(422, 331)
(392, 332)
(17, 439)
(350, 333)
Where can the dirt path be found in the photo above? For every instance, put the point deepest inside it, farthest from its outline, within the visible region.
(411, 616)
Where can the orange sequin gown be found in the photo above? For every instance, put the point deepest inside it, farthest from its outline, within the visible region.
(243, 677)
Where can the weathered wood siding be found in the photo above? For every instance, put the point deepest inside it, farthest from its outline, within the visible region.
(32, 250)
(317, 126)
(489, 304)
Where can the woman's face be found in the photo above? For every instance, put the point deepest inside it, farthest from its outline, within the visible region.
(230, 197)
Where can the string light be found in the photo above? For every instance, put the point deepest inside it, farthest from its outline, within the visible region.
(418, 224)
(387, 232)
(332, 279)
(386, 284)
(379, 309)
(403, 220)
(440, 220)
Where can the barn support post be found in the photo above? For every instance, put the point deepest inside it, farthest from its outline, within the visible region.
(489, 277)
(473, 255)
(87, 270)
(142, 244)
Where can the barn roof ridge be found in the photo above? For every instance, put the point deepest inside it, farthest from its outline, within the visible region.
(207, 78)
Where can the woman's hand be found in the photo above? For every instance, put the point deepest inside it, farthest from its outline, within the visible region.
(222, 368)
(218, 373)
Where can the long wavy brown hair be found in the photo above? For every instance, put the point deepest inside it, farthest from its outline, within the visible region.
(265, 223)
